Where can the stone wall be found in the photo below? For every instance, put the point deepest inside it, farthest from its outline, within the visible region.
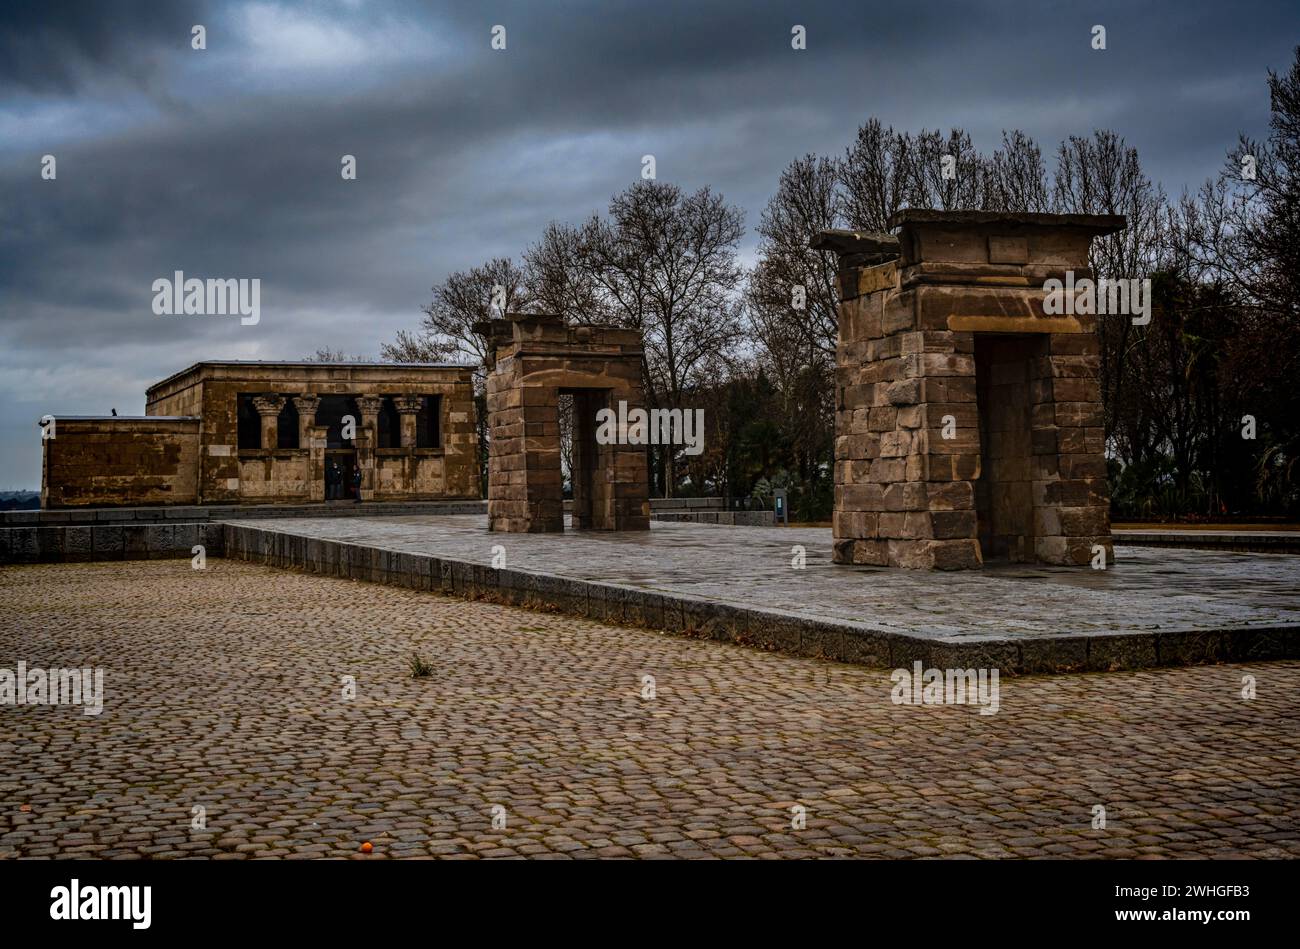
(127, 541)
(147, 533)
(120, 461)
(203, 513)
(796, 630)
(421, 473)
(968, 421)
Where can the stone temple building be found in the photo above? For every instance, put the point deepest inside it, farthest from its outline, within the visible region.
(968, 413)
(273, 432)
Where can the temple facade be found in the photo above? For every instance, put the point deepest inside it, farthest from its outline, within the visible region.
(274, 432)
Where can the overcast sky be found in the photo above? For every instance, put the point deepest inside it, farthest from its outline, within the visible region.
(225, 162)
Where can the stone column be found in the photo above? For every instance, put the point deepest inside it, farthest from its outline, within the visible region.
(306, 404)
(366, 440)
(369, 406)
(407, 407)
(317, 437)
(269, 406)
(310, 438)
(1071, 494)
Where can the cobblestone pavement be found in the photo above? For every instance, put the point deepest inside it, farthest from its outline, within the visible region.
(223, 691)
(1147, 590)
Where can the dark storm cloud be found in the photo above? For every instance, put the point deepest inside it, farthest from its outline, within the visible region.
(59, 46)
(225, 162)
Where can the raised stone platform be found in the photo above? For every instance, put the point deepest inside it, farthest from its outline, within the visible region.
(1150, 608)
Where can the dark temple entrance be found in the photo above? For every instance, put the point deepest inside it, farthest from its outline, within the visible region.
(1004, 491)
(589, 492)
(338, 450)
(346, 461)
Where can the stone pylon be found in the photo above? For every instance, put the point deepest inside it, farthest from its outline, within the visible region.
(531, 361)
(968, 411)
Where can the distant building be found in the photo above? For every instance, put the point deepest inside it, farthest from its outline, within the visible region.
(248, 432)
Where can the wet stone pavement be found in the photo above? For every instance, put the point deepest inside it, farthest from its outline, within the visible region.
(223, 691)
(1147, 590)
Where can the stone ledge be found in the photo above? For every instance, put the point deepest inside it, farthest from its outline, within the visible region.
(217, 512)
(1262, 542)
(127, 541)
(727, 518)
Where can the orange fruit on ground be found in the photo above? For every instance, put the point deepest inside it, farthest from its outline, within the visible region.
(367, 847)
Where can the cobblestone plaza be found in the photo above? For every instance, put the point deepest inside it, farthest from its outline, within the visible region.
(533, 736)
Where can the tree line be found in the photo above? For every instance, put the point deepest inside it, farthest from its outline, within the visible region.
(1202, 414)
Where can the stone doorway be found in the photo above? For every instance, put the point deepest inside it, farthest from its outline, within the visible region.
(347, 462)
(1004, 490)
(591, 496)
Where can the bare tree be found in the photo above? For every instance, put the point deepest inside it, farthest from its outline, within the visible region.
(946, 172)
(1016, 176)
(885, 171)
(808, 200)
(1247, 234)
(1249, 224)
(447, 331)
(877, 176)
(419, 346)
(326, 354)
(461, 300)
(665, 263)
(557, 281)
(1102, 175)
(793, 304)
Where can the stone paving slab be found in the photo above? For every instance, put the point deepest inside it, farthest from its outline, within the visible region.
(222, 691)
(1153, 607)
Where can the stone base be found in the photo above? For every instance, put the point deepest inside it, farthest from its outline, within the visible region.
(963, 554)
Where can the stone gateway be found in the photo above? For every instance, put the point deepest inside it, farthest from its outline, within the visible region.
(532, 361)
(968, 421)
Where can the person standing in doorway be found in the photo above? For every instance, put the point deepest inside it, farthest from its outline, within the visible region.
(356, 483)
(333, 482)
